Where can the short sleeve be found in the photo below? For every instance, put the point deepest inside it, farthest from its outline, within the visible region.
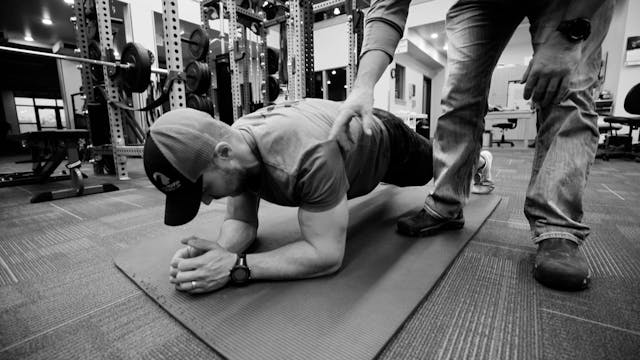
(322, 180)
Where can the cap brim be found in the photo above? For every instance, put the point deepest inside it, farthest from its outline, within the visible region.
(182, 206)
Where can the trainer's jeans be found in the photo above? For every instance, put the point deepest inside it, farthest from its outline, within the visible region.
(478, 32)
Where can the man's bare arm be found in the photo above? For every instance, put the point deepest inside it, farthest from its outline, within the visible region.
(240, 226)
(319, 252)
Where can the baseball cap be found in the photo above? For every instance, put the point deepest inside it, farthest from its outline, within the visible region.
(177, 150)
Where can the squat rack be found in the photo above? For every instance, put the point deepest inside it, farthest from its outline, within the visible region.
(173, 50)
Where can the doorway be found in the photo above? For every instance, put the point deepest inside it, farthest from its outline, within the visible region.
(426, 90)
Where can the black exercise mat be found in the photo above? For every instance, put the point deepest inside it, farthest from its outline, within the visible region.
(349, 315)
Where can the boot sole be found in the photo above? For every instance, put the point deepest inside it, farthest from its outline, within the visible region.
(451, 225)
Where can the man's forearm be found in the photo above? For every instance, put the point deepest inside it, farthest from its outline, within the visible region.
(372, 65)
(236, 236)
(583, 9)
(297, 260)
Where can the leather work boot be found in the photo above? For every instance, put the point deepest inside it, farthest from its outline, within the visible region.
(423, 224)
(560, 265)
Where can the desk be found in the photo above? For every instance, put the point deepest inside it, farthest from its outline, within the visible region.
(522, 131)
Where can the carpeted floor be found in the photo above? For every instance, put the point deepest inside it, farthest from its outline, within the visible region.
(61, 297)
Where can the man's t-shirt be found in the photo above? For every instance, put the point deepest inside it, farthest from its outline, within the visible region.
(300, 167)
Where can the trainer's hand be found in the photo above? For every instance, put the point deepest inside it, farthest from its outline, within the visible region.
(549, 71)
(358, 105)
(209, 271)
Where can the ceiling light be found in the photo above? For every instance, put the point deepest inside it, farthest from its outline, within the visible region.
(336, 11)
(434, 35)
(47, 21)
(70, 2)
(333, 72)
(328, 82)
(28, 38)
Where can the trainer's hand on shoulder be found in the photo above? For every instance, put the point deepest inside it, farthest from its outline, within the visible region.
(549, 72)
(209, 271)
(358, 105)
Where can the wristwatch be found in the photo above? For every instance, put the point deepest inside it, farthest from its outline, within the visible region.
(575, 30)
(240, 273)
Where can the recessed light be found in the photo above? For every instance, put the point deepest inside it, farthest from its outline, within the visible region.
(47, 21)
(28, 38)
(328, 82)
(333, 72)
(434, 35)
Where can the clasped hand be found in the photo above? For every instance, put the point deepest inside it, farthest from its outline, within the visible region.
(203, 266)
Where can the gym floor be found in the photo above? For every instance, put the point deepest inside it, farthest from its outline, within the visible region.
(61, 297)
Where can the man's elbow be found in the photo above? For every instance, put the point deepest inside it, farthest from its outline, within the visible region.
(330, 263)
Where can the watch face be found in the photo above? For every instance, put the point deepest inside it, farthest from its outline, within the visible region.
(576, 30)
(240, 274)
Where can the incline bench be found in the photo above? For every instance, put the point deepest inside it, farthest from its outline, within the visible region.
(60, 144)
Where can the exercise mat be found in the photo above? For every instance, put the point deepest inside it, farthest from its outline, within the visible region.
(351, 314)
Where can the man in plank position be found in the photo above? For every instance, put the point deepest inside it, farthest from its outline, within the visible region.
(280, 154)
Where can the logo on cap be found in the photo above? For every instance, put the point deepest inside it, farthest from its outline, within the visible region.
(166, 184)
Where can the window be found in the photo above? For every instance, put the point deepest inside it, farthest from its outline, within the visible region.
(399, 75)
(35, 114)
(331, 84)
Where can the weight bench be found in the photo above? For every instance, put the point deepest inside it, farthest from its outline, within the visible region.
(59, 144)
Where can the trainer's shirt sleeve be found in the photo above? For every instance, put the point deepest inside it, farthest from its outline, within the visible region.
(322, 180)
(384, 25)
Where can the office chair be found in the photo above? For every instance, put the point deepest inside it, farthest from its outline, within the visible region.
(511, 124)
(632, 106)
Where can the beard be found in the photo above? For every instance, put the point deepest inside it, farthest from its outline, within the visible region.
(237, 180)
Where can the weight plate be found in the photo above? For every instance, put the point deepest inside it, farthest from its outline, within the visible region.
(199, 44)
(137, 77)
(198, 77)
(272, 61)
(274, 88)
(201, 103)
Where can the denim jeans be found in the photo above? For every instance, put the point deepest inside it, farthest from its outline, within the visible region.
(566, 143)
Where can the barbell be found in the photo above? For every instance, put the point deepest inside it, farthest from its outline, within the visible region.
(133, 70)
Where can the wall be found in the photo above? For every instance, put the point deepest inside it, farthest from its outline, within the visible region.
(428, 12)
(613, 46)
(516, 53)
(330, 44)
(629, 75)
(9, 109)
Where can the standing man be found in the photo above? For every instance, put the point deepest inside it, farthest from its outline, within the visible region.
(566, 38)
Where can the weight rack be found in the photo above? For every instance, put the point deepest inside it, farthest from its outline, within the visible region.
(103, 14)
(118, 149)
